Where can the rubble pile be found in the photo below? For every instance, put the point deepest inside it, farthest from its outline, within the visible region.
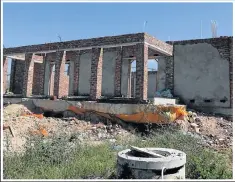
(26, 125)
(216, 131)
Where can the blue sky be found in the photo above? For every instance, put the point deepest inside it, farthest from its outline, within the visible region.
(35, 23)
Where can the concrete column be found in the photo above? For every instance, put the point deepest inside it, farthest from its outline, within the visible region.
(47, 74)
(141, 71)
(28, 75)
(96, 73)
(60, 85)
(5, 66)
(118, 73)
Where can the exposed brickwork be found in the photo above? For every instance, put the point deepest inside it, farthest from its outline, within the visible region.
(101, 41)
(96, 73)
(220, 43)
(28, 75)
(38, 79)
(60, 79)
(141, 71)
(231, 70)
(94, 42)
(165, 47)
(76, 59)
(18, 70)
(129, 52)
(133, 76)
(52, 76)
(5, 65)
(170, 73)
(118, 72)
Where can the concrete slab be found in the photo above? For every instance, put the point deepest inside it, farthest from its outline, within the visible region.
(160, 101)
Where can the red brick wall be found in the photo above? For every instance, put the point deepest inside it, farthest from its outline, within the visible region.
(61, 81)
(52, 75)
(38, 79)
(118, 72)
(76, 58)
(96, 73)
(141, 72)
(28, 75)
(17, 69)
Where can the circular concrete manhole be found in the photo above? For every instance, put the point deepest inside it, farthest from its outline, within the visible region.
(151, 163)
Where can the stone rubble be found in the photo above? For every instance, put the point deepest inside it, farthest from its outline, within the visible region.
(81, 130)
(215, 131)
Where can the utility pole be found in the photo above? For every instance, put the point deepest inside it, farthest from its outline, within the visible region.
(145, 23)
(59, 38)
(201, 29)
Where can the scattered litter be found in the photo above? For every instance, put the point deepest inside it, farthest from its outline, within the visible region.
(39, 116)
(146, 152)
(164, 93)
(118, 147)
(9, 128)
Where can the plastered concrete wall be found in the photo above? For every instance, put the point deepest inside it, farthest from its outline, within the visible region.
(84, 74)
(108, 73)
(200, 73)
(161, 74)
(125, 75)
(152, 84)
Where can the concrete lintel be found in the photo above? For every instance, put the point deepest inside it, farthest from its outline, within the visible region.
(18, 57)
(134, 58)
(84, 48)
(158, 49)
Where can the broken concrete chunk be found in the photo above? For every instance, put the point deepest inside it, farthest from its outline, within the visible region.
(194, 125)
(143, 150)
(197, 130)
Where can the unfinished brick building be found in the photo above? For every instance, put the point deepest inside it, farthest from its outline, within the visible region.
(101, 67)
(37, 61)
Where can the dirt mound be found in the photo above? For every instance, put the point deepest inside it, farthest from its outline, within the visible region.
(25, 124)
(216, 131)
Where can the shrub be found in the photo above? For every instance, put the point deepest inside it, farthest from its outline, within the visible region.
(59, 158)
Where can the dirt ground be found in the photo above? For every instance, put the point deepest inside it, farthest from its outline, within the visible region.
(26, 126)
(216, 131)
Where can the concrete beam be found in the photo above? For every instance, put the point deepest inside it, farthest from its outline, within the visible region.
(102, 42)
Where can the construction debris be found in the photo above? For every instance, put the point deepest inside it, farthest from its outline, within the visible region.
(9, 128)
(217, 132)
(30, 125)
(164, 93)
(159, 114)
